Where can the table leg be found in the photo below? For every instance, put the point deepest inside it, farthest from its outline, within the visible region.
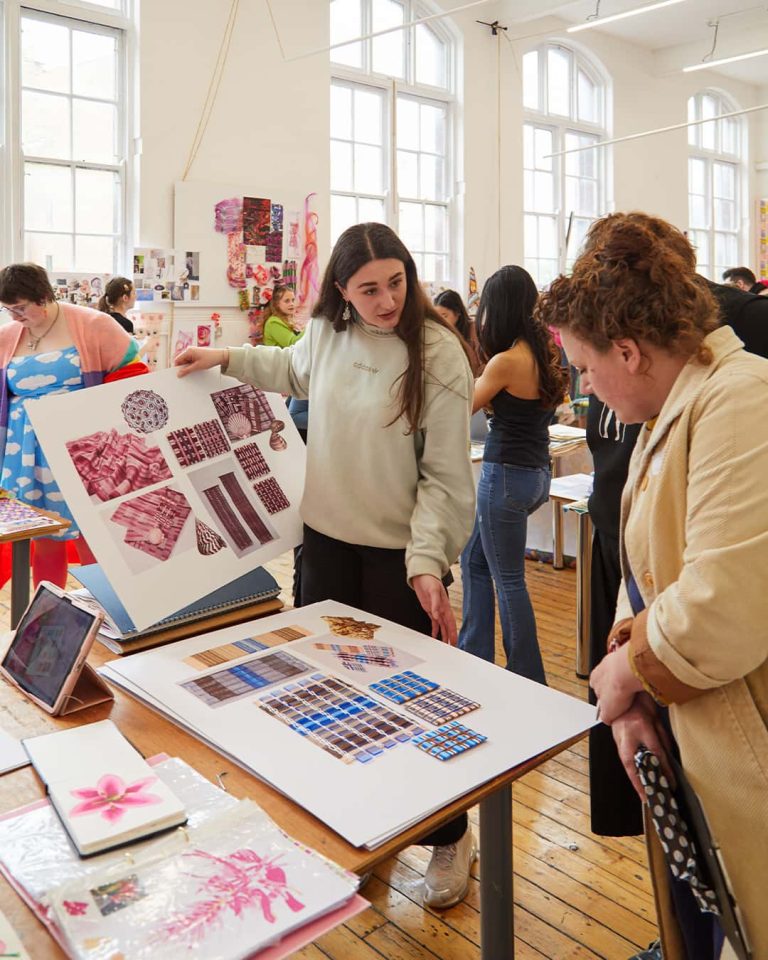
(557, 535)
(19, 580)
(497, 927)
(583, 587)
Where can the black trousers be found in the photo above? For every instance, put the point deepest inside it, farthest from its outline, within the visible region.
(615, 807)
(372, 579)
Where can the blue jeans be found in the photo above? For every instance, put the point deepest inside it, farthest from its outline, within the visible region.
(495, 555)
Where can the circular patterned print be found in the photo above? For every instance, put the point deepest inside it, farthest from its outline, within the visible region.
(145, 411)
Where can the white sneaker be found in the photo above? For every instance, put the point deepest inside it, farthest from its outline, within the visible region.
(447, 878)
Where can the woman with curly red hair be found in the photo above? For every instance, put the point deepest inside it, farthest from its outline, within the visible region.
(643, 332)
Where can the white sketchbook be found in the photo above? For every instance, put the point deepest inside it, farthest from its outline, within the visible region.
(180, 486)
(103, 790)
(300, 699)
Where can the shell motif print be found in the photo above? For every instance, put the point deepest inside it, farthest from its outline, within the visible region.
(208, 541)
(145, 411)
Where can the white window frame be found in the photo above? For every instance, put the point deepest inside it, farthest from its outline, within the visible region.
(711, 158)
(12, 160)
(393, 88)
(560, 126)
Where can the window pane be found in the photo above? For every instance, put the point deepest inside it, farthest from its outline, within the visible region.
(94, 65)
(697, 211)
(431, 179)
(369, 173)
(558, 81)
(44, 55)
(95, 254)
(388, 51)
(410, 223)
(531, 80)
(343, 215)
(432, 128)
(579, 229)
(407, 123)
(693, 132)
(95, 132)
(547, 246)
(588, 99)
(435, 229)
(47, 197)
(431, 58)
(543, 147)
(700, 243)
(697, 176)
(368, 116)
(725, 181)
(530, 234)
(528, 146)
(370, 210)
(583, 163)
(51, 250)
(434, 268)
(725, 215)
(729, 135)
(346, 22)
(543, 192)
(45, 126)
(341, 166)
(96, 201)
(407, 174)
(341, 112)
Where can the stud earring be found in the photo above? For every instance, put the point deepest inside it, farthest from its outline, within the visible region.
(347, 315)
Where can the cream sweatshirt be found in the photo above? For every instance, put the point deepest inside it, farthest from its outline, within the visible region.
(369, 483)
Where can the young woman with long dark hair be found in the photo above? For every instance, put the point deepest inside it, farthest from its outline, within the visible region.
(451, 308)
(388, 496)
(523, 382)
(119, 297)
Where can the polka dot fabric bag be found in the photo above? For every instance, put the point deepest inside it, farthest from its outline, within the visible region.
(688, 845)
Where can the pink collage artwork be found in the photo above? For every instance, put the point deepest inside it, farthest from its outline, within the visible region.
(111, 464)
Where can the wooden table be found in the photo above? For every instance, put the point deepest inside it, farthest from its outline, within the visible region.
(19, 540)
(152, 733)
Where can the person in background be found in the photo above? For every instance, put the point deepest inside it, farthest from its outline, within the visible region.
(451, 308)
(645, 334)
(388, 496)
(523, 382)
(118, 298)
(744, 279)
(279, 317)
(48, 347)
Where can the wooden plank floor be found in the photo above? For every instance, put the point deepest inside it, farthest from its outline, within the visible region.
(577, 896)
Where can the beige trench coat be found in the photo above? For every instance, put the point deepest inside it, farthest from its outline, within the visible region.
(695, 537)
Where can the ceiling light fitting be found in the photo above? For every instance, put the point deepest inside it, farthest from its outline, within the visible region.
(595, 21)
(723, 60)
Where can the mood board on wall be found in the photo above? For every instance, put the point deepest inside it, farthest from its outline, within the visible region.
(179, 485)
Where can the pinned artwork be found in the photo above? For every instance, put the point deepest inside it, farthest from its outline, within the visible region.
(172, 275)
(338, 718)
(145, 411)
(153, 522)
(232, 683)
(153, 478)
(349, 627)
(271, 495)
(201, 441)
(243, 410)
(229, 215)
(448, 741)
(256, 221)
(403, 687)
(275, 440)
(112, 464)
(208, 541)
(84, 289)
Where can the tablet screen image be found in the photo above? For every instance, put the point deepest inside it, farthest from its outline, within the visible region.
(47, 644)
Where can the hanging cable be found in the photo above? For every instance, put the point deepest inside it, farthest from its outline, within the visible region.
(213, 87)
(708, 56)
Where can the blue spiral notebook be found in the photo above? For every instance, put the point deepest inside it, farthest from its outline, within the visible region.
(253, 587)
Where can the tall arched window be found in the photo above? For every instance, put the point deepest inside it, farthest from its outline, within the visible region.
(565, 106)
(391, 127)
(715, 220)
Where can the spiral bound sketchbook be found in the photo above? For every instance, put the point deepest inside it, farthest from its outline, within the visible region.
(256, 587)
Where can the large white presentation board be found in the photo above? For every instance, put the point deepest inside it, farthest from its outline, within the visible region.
(179, 486)
(304, 700)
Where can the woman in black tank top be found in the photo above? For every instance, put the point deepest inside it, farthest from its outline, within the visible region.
(523, 382)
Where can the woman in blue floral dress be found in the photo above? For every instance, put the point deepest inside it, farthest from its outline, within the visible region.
(47, 347)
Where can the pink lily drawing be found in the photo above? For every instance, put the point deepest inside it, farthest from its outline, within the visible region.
(112, 796)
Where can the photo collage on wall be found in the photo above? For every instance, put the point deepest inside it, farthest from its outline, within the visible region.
(263, 246)
(172, 275)
(168, 481)
(83, 289)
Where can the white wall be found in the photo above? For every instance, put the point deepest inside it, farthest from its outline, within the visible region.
(270, 124)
